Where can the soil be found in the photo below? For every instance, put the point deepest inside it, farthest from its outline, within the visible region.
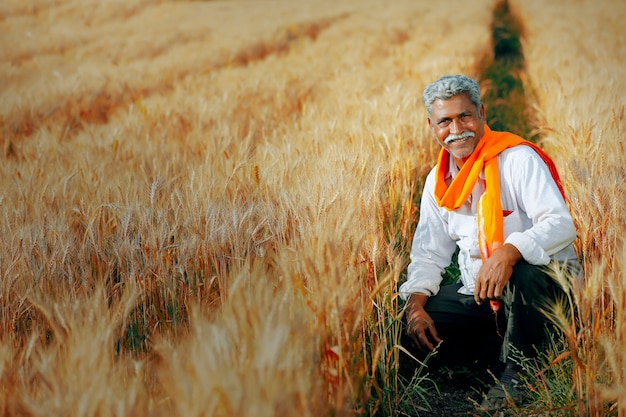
(452, 393)
(458, 394)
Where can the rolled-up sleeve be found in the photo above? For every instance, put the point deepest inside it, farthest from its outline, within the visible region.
(552, 227)
(432, 247)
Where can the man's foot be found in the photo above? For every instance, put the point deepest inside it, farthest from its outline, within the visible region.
(507, 392)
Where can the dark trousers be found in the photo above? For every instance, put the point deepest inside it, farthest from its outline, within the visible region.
(473, 334)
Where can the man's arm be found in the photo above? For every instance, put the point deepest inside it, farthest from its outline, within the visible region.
(431, 252)
(529, 181)
(539, 198)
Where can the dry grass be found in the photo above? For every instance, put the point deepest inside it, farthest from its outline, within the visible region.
(207, 205)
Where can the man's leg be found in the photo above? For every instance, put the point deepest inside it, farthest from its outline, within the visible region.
(468, 330)
(529, 290)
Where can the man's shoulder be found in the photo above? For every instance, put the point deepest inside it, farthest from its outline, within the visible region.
(515, 153)
(429, 182)
(430, 177)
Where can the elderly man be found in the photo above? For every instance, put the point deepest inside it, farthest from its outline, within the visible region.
(498, 198)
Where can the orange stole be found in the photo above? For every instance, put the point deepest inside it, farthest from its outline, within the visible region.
(489, 216)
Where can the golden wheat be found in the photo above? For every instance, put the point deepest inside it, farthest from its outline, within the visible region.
(226, 161)
(242, 168)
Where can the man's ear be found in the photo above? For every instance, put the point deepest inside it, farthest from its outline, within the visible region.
(430, 123)
(482, 112)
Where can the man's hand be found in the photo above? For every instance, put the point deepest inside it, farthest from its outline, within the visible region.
(420, 326)
(495, 273)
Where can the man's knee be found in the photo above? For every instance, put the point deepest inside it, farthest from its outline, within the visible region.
(527, 278)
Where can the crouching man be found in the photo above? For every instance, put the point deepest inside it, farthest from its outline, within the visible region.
(499, 199)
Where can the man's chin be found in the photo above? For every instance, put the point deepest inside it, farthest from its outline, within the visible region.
(461, 150)
(459, 155)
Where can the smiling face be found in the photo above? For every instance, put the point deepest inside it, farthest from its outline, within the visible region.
(457, 125)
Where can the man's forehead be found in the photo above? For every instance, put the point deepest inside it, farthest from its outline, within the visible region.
(459, 102)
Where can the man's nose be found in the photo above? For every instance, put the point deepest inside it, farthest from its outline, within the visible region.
(455, 127)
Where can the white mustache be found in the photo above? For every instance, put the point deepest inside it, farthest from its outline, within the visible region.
(463, 135)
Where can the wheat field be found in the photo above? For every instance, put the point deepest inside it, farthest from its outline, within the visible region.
(207, 205)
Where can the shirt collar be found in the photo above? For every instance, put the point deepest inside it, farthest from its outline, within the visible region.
(453, 170)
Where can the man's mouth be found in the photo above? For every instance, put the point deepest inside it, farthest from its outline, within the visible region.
(463, 137)
(449, 142)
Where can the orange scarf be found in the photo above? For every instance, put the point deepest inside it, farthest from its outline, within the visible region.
(490, 216)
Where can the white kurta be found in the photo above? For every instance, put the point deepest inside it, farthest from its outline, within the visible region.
(536, 221)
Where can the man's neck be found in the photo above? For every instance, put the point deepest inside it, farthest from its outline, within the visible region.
(460, 162)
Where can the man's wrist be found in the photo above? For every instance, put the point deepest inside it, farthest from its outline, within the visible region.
(512, 253)
(417, 299)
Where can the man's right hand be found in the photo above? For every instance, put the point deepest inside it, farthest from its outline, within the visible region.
(420, 326)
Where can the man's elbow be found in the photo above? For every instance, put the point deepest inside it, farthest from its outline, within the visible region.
(569, 231)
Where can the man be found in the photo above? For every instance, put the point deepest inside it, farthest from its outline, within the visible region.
(498, 198)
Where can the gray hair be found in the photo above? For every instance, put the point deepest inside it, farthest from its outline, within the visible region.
(449, 86)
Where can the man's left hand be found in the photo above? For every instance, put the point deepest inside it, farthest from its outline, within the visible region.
(495, 273)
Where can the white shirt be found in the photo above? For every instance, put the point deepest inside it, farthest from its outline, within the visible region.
(537, 222)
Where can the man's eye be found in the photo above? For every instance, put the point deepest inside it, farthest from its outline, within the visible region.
(444, 123)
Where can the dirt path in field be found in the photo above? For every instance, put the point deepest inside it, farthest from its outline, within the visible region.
(460, 390)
